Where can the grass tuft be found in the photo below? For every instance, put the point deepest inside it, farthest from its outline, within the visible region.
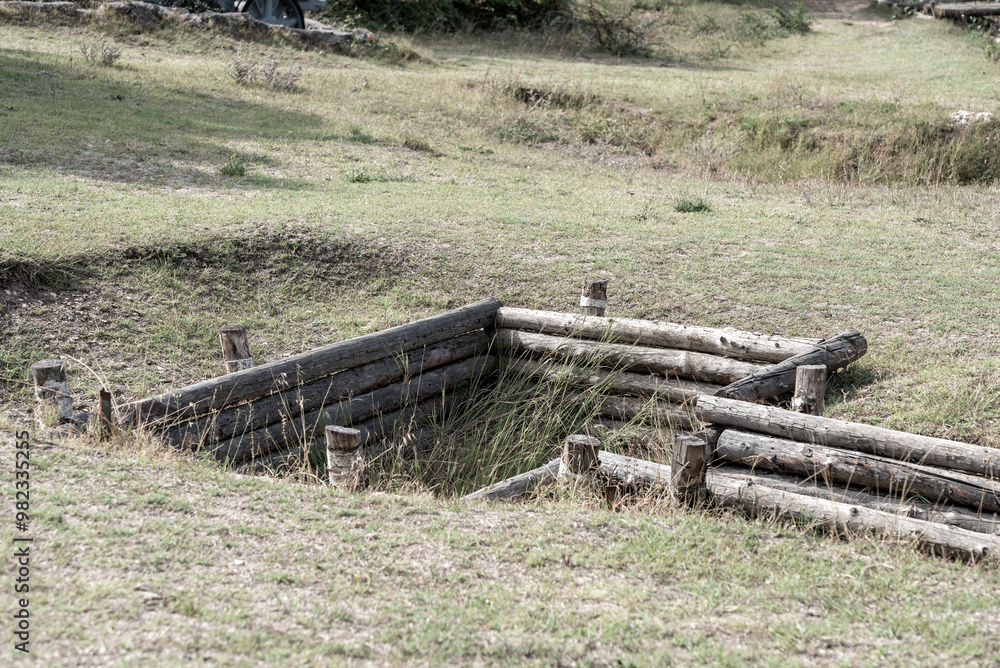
(691, 205)
(236, 166)
(99, 52)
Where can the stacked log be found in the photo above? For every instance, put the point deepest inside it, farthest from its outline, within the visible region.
(665, 364)
(278, 409)
(936, 480)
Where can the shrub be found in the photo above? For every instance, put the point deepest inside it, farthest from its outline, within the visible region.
(450, 15)
(624, 34)
(793, 20)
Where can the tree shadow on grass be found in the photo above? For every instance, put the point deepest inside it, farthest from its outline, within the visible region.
(104, 124)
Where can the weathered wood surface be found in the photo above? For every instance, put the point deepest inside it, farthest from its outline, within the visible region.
(688, 468)
(930, 512)
(660, 413)
(519, 485)
(363, 407)
(343, 457)
(853, 468)
(810, 389)
(375, 437)
(282, 405)
(348, 412)
(579, 456)
(217, 393)
(106, 426)
(958, 10)
(663, 361)
(761, 500)
(677, 390)
(381, 432)
(235, 348)
(594, 299)
(726, 342)
(850, 435)
(52, 392)
(833, 353)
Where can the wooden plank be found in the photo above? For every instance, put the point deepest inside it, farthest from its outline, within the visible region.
(761, 500)
(833, 353)
(234, 388)
(282, 405)
(726, 342)
(846, 467)
(850, 436)
(666, 362)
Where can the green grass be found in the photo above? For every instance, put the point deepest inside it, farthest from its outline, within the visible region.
(310, 573)
(512, 165)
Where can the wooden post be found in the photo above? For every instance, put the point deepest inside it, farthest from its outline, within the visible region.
(688, 469)
(613, 495)
(52, 392)
(594, 298)
(235, 348)
(579, 458)
(105, 415)
(810, 388)
(343, 457)
(580, 453)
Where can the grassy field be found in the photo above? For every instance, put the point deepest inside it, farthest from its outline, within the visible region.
(145, 203)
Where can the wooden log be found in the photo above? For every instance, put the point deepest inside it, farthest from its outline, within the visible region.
(676, 390)
(696, 366)
(381, 434)
(217, 393)
(850, 436)
(761, 500)
(810, 389)
(52, 392)
(688, 469)
(354, 410)
(343, 457)
(372, 434)
(832, 353)
(282, 405)
(726, 342)
(660, 413)
(235, 348)
(595, 298)
(930, 512)
(852, 468)
(363, 407)
(518, 486)
(962, 10)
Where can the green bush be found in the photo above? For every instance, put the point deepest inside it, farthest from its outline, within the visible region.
(449, 15)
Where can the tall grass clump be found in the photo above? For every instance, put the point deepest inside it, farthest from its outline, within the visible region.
(508, 424)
